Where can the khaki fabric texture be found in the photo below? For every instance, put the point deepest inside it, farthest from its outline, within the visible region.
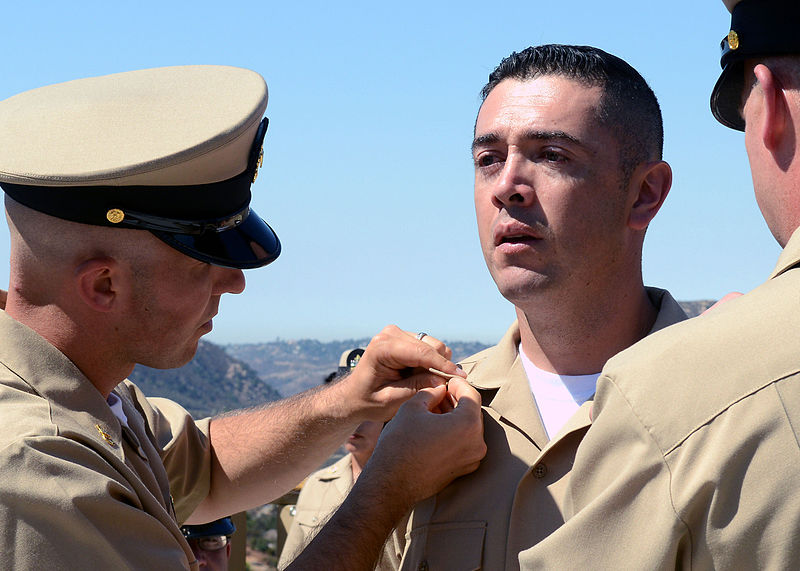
(322, 494)
(516, 497)
(79, 490)
(693, 459)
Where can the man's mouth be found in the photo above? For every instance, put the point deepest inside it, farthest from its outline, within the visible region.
(515, 233)
(517, 239)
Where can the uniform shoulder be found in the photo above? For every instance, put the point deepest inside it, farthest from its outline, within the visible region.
(684, 375)
(25, 413)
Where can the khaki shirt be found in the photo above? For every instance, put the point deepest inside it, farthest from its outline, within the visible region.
(515, 498)
(693, 459)
(323, 492)
(77, 489)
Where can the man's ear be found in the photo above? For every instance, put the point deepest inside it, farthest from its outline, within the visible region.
(772, 126)
(653, 181)
(97, 281)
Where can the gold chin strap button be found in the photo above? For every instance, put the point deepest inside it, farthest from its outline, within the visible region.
(733, 40)
(115, 215)
(106, 436)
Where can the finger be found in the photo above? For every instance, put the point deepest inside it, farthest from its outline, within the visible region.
(421, 354)
(405, 345)
(447, 404)
(464, 394)
(430, 398)
(438, 346)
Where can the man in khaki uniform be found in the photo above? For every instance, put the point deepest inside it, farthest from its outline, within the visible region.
(568, 175)
(128, 199)
(325, 490)
(693, 461)
(211, 543)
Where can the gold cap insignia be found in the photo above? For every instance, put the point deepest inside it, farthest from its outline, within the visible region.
(106, 436)
(115, 215)
(259, 164)
(733, 40)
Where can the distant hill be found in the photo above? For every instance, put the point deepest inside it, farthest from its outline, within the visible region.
(296, 365)
(695, 308)
(211, 383)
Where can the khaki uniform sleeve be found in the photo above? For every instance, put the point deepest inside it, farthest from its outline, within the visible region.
(63, 506)
(618, 507)
(184, 447)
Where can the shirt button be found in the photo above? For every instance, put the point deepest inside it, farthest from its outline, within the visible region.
(540, 471)
(423, 566)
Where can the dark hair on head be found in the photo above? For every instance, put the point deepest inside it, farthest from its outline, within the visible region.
(629, 107)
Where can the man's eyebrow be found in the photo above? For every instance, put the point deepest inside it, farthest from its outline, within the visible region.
(533, 135)
(484, 140)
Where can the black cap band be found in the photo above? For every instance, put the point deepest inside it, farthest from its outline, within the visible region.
(210, 222)
(110, 205)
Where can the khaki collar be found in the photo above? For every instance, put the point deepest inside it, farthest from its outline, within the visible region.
(76, 406)
(790, 256)
(497, 373)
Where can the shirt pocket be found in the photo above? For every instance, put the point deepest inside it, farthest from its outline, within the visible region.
(452, 546)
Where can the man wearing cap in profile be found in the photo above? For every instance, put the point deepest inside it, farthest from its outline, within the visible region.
(693, 459)
(127, 198)
(211, 543)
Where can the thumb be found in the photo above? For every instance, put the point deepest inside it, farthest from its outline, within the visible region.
(428, 398)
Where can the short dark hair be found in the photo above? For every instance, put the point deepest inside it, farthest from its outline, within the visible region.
(629, 107)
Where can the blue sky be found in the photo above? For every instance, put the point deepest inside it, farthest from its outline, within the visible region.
(368, 176)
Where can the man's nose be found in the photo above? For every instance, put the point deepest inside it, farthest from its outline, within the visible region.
(228, 280)
(514, 186)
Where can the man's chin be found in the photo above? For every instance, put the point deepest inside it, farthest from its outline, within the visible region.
(522, 285)
(175, 360)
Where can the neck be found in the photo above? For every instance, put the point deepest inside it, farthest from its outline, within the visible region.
(577, 335)
(356, 464)
(85, 344)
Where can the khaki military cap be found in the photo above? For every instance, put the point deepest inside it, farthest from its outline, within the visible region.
(172, 150)
(349, 359)
(759, 28)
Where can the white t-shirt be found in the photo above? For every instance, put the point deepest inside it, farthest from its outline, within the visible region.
(557, 396)
(116, 407)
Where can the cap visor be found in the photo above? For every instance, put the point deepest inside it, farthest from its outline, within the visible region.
(727, 96)
(252, 244)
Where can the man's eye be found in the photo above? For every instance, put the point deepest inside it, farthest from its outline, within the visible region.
(486, 160)
(554, 157)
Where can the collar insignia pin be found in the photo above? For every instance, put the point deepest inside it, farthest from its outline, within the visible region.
(106, 436)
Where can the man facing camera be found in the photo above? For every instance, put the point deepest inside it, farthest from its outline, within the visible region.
(568, 176)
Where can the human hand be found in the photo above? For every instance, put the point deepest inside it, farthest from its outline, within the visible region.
(422, 450)
(392, 369)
